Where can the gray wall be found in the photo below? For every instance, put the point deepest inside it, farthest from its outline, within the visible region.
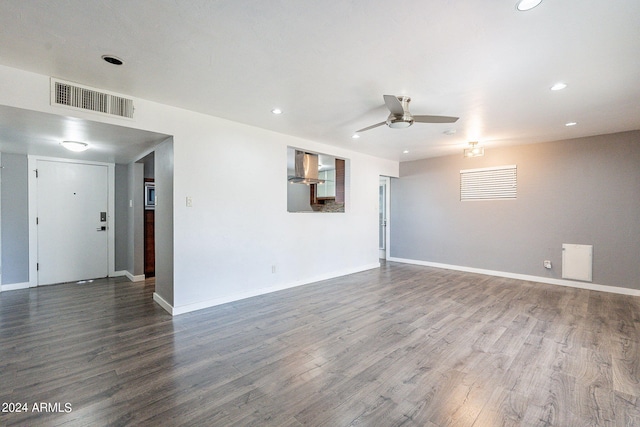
(15, 219)
(149, 165)
(121, 217)
(164, 220)
(582, 191)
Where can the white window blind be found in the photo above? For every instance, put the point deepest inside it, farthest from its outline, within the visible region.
(497, 183)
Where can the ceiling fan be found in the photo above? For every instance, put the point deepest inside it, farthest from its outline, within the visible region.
(400, 116)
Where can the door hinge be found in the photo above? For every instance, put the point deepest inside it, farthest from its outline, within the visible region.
(37, 220)
(36, 173)
(37, 266)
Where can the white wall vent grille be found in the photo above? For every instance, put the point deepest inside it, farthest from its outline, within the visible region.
(85, 98)
(497, 183)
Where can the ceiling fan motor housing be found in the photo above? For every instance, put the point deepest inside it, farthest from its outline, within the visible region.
(405, 120)
(398, 122)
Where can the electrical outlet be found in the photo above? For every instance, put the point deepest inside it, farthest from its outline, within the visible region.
(189, 202)
(273, 269)
(547, 264)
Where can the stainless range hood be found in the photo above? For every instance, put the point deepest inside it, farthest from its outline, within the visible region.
(306, 169)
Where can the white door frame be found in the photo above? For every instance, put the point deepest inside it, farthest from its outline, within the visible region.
(33, 210)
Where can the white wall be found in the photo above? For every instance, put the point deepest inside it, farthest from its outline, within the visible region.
(163, 222)
(239, 227)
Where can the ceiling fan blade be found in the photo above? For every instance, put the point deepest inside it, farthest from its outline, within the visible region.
(394, 105)
(371, 127)
(434, 119)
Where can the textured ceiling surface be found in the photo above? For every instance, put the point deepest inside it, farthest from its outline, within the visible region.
(327, 64)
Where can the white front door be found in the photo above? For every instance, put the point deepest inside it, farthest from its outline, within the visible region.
(72, 211)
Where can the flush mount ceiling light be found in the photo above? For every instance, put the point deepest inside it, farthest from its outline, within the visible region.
(559, 86)
(524, 5)
(473, 150)
(112, 59)
(75, 146)
(405, 152)
(276, 111)
(571, 123)
(355, 136)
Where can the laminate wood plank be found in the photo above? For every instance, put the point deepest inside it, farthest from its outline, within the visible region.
(504, 408)
(560, 407)
(399, 345)
(627, 410)
(626, 370)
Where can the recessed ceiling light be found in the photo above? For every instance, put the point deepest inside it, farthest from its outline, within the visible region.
(571, 123)
(524, 5)
(355, 136)
(405, 152)
(276, 111)
(75, 146)
(559, 86)
(113, 59)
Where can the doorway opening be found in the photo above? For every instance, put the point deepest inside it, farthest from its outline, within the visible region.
(149, 215)
(383, 217)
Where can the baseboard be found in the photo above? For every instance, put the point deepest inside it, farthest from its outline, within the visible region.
(540, 279)
(186, 308)
(15, 286)
(164, 304)
(131, 277)
(135, 278)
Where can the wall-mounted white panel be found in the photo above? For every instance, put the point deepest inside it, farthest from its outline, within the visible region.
(577, 262)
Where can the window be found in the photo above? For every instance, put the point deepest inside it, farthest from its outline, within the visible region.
(497, 183)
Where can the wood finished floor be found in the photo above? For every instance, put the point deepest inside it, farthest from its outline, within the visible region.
(400, 345)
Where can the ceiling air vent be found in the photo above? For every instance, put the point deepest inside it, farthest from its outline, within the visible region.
(88, 99)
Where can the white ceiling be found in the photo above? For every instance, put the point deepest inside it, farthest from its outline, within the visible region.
(326, 64)
(36, 133)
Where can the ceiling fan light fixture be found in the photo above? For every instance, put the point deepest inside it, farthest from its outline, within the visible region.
(75, 146)
(473, 150)
(524, 5)
(399, 123)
